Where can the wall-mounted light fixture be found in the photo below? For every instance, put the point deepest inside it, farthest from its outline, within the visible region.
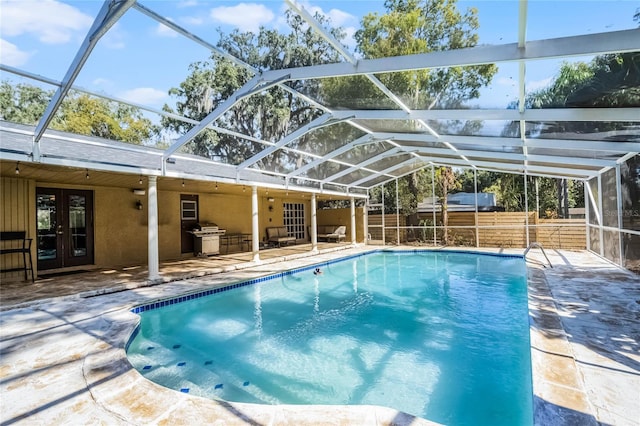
(137, 191)
(271, 199)
(139, 205)
(18, 168)
(86, 176)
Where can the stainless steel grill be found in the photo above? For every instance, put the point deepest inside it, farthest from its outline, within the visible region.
(206, 238)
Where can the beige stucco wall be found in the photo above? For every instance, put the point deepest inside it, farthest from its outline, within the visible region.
(120, 228)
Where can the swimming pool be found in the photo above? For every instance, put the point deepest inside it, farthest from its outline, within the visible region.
(440, 335)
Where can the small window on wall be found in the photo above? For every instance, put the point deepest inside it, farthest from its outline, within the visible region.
(294, 219)
(188, 210)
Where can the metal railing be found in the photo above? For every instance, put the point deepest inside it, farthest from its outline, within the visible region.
(537, 245)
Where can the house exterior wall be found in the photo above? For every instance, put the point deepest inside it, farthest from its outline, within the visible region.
(120, 228)
(17, 213)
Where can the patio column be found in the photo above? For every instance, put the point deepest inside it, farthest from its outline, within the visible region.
(526, 208)
(397, 214)
(433, 206)
(365, 220)
(353, 221)
(152, 229)
(476, 217)
(255, 227)
(384, 242)
(314, 224)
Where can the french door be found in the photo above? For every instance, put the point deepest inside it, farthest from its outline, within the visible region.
(65, 227)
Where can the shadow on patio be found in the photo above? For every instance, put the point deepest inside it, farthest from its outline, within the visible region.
(109, 280)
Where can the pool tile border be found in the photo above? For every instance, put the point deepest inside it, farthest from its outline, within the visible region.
(184, 298)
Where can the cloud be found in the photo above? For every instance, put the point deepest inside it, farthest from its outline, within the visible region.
(12, 55)
(50, 21)
(101, 82)
(144, 96)
(532, 86)
(339, 18)
(187, 3)
(114, 38)
(244, 16)
(192, 20)
(164, 31)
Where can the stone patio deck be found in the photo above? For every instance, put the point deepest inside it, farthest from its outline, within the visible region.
(63, 360)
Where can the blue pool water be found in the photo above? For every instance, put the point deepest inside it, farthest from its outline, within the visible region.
(443, 336)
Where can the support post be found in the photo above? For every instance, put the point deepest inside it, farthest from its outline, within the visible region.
(255, 227)
(475, 186)
(526, 208)
(620, 217)
(353, 221)
(601, 212)
(433, 204)
(314, 224)
(384, 240)
(397, 214)
(152, 230)
(365, 220)
(587, 213)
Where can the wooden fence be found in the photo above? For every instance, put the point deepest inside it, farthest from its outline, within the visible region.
(495, 229)
(390, 221)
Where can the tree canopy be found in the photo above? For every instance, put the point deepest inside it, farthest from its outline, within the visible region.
(79, 113)
(269, 115)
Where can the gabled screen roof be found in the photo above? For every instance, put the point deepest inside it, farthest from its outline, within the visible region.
(313, 99)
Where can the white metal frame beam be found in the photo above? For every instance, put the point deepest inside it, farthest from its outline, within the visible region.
(108, 15)
(324, 119)
(590, 44)
(505, 167)
(387, 171)
(211, 117)
(153, 15)
(300, 10)
(327, 157)
(363, 164)
(550, 114)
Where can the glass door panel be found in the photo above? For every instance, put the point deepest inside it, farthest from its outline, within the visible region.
(78, 225)
(65, 227)
(47, 219)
